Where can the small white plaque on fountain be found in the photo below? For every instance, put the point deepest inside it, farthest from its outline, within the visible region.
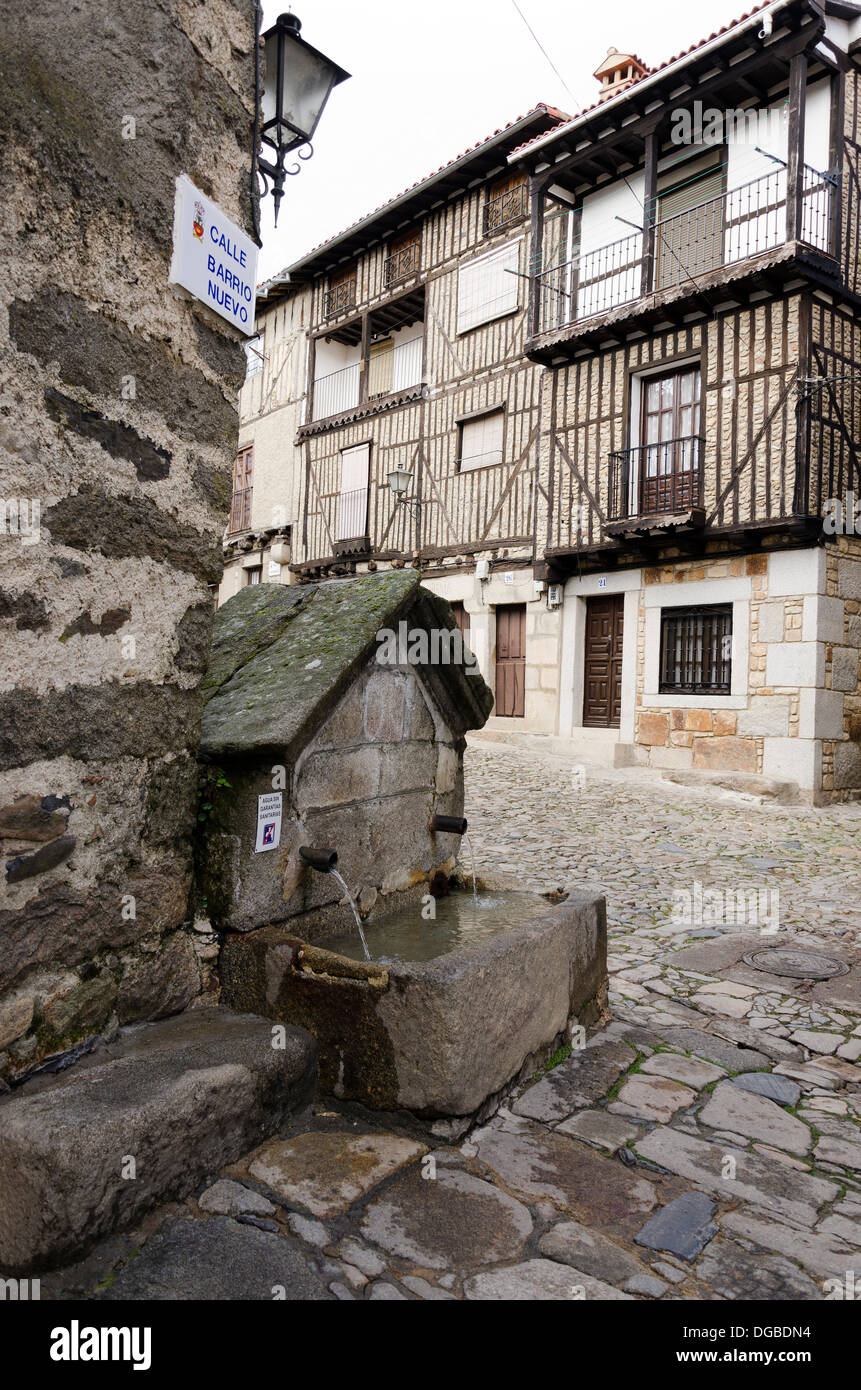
(268, 821)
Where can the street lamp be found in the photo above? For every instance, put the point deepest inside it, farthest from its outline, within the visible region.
(298, 82)
(399, 481)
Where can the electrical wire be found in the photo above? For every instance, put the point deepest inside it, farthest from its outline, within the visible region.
(540, 45)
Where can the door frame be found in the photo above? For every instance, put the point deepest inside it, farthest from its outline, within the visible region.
(576, 592)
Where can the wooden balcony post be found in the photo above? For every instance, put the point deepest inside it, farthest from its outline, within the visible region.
(536, 253)
(650, 211)
(365, 361)
(835, 155)
(795, 162)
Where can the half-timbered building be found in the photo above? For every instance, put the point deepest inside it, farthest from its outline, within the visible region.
(619, 358)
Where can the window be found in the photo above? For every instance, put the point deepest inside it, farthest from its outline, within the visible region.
(403, 258)
(254, 575)
(670, 441)
(488, 287)
(480, 441)
(341, 294)
(253, 356)
(240, 504)
(506, 202)
(696, 650)
(353, 498)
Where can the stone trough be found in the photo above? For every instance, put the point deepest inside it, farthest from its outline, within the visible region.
(436, 1037)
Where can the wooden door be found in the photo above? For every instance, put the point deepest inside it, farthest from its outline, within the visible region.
(669, 456)
(510, 659)
(461, 617)
(602, 675)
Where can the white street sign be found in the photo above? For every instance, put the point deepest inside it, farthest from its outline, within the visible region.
(268, 821)
(212, 257)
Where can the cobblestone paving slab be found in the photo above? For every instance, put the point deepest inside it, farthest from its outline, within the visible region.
(716, 1117)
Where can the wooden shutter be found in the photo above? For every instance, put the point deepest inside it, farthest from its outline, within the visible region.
(690, 213)
(353, 500)
(240, 502)
(380, 368)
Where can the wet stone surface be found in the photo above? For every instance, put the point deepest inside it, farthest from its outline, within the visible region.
(706, 1144)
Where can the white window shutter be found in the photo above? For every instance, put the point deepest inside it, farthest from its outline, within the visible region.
(481, 441)
(486, 288)
(353, 501)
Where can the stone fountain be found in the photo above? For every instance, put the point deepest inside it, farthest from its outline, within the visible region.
(328, 742)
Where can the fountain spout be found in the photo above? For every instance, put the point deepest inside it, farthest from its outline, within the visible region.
(452, 825)
(323, 860)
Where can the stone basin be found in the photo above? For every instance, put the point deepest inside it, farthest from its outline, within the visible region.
(437, 1037)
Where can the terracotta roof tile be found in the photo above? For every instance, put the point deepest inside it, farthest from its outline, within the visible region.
(560, 116)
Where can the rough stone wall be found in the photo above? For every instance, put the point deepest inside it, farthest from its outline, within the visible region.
(118, 421)
(366, 785)
(800, 719)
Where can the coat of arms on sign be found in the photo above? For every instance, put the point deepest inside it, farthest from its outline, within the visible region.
(198, 221)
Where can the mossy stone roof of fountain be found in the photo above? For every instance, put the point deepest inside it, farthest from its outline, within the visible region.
(282, 657)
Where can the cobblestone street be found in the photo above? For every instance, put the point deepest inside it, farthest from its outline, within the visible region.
(706, 1144)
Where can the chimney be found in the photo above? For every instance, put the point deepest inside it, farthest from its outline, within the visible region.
(618, 72)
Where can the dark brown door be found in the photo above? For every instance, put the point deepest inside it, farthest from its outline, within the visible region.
(461, 617)
(602, 696)
(510, 659)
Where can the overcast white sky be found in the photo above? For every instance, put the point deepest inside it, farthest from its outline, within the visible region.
(431, 79)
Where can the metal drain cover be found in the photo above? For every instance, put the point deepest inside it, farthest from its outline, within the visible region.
(800, 964)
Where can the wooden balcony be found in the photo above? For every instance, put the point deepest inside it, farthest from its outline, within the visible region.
(339, 299)
(656, 486)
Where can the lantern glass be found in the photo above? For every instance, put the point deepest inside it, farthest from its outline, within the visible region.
(399, 481)
(297, 85)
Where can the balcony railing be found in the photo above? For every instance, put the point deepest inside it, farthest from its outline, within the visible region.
(339, 298)
(337, 392)
(721, 231)
(395, 370)
(505, 208)
(388, 372)
(352, 523)
(655, 479)
(402, 263)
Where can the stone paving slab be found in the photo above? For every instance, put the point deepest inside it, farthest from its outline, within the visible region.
(217, 1260)
(538, 1280)
(757, 1180)
(453, 1221)
(325, 1173)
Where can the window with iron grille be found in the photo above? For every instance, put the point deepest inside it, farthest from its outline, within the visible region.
(403, 258)
(341, 294)
(240, 502)
(506, 202)
(696, 650)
